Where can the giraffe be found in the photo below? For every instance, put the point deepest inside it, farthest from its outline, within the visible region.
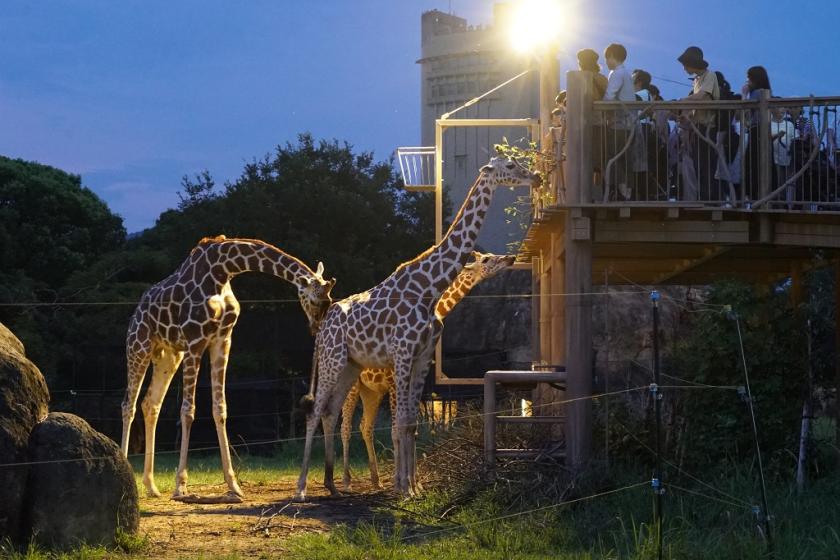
(193, 310)
(392, 325)
(374, 384)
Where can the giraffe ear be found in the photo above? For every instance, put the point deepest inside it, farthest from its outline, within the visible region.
(486, 169)
(320, 269)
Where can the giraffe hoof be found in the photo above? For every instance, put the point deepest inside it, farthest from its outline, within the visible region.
(152, 492)
(299, 497)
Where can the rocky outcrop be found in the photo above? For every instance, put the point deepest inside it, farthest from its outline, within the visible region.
(81, 488)
(491, 327)
(24, 400)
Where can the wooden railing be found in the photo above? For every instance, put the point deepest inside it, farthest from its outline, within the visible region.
(754, 155)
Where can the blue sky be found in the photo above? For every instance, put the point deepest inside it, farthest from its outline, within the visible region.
(134, 94)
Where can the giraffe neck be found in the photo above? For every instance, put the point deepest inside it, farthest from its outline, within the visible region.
(240, 256)
(443, 262)
(453, 295)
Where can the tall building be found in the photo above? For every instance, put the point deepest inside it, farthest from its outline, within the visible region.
(459, 62)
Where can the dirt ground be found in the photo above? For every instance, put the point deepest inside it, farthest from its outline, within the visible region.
(258, 526)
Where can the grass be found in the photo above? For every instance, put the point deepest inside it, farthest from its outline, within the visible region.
(613, 526)
(204, 467)
(459, 522)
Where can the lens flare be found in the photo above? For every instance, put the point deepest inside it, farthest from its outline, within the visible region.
(535, 24)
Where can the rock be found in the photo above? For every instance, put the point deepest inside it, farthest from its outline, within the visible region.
(87, 494)
(489, 331)
(24, 399)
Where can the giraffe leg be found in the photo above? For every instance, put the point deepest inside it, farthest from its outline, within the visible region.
(347, 412)
(402, 378)
(329, 367)
(138, 356)
(420, 367)
(370, 406)
(192, 361)
(165, 365)
(219, 352)
(328, 422)
(338, 395)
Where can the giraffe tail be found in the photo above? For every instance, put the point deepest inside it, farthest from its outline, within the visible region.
(307, 402)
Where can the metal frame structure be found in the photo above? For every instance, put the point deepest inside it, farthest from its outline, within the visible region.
(417, 178)
(533, 127)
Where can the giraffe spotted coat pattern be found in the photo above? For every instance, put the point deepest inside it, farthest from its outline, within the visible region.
(189, 312)
(393, 326)
(374, 384)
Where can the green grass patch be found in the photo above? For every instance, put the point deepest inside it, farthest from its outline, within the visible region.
(614, 526)
(204, 467)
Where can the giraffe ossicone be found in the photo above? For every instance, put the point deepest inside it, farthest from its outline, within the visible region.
(194, 310)
(393, 325)
(374, 384)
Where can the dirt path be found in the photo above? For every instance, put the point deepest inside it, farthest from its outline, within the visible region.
(258, 526)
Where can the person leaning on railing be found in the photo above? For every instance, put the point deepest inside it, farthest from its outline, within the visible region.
(698, 157)
(588, 62)
(619, 88)
(783, 132)
(757, 80)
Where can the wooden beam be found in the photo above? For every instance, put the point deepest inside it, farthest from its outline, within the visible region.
(689, 264)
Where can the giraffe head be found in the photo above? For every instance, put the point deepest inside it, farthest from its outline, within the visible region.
(314, 295)
(487, 265)
(508, 172)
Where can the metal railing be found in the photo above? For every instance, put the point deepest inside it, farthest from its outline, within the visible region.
(770, 153)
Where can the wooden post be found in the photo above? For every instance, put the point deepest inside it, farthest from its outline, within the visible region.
(536, 297)
(490, 420)
(796, 284)
(578, 270)
(765, 162)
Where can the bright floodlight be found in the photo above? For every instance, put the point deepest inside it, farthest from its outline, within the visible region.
(534, 24)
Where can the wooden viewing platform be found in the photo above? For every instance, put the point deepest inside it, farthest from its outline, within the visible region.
(772, 229)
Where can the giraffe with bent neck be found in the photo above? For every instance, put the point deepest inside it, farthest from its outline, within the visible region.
(189, 312)
(393, 326)
(374, 384)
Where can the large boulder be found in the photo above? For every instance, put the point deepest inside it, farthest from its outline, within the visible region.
(81, 488)
(24, 400)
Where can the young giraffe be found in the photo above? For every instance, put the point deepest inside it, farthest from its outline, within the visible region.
(190, 311)
(393, 326)
(374, 384)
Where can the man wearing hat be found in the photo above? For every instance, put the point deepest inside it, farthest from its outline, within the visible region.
(699, 176)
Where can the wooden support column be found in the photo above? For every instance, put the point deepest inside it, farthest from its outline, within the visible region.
(578, 271)
(796, 284)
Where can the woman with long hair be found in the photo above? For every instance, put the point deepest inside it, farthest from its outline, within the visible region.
(757, 81)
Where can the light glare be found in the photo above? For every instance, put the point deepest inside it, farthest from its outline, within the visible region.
(534, 23)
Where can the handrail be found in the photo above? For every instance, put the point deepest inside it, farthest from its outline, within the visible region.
(718, 104)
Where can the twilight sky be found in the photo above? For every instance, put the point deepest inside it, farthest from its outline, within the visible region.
(134, 94)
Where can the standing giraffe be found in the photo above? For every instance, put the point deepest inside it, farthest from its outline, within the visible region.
(190, 311)
(374, 384)
(393, 326)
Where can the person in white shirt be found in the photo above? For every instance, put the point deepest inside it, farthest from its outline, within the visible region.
(619, 88)
(782, 131)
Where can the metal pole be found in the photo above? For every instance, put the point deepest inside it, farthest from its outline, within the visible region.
(656, 483)
(607, 369)
(748, 398)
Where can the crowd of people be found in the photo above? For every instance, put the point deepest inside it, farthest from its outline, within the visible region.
(700, 154)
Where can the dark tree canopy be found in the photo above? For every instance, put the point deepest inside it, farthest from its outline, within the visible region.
(50, 225)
